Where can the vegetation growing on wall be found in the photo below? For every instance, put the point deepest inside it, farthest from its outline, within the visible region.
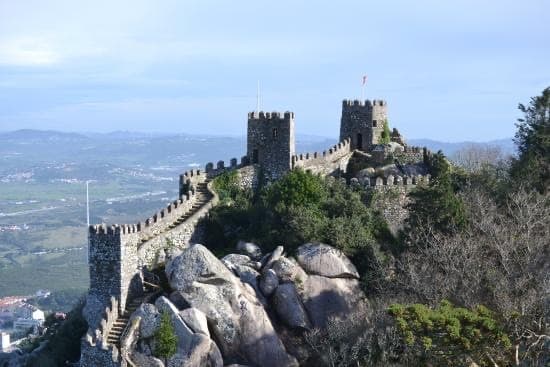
(385, 137)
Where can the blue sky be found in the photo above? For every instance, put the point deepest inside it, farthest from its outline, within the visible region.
(449, 70)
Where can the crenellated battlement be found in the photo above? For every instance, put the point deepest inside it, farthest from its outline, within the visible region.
(336, 151)
(410, 149)
(96, 351)
(264, 116)
(327, 162)
(392, 180)
(346, 103)
(167, 215)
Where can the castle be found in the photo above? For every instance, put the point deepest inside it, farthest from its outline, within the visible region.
(119, 255)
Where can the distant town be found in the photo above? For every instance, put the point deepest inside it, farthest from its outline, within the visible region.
(21, 321)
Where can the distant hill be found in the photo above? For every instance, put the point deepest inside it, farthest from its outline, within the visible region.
(305, 142)
(506, 145)
(28, 135)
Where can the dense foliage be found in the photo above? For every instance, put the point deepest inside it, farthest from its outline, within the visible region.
(532, 166)
(451, 336)
(437, 204)
(298, 208)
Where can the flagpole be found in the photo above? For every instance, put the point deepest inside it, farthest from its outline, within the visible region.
(87, 220)
(87, 205)
(258, 98)
(363, 82)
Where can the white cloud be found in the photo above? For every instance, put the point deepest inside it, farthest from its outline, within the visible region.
(28, 51)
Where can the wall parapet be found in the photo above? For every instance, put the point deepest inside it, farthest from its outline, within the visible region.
(362, 103)
(333, 153)
(95, 341)
(262, 115)
(392, 180)
(157, 222)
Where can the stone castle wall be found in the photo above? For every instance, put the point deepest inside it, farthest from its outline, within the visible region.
(119, 252)
(391, 196)
(95, 351)
(331, 162)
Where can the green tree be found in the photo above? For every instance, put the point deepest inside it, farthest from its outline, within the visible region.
(452, 336)
(166, 340)
(385, 137)
(437, 204)
(297, 188)
(533, 141)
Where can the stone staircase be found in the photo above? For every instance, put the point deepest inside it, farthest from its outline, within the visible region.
(119, 325)
(203, 196)
(115, 334)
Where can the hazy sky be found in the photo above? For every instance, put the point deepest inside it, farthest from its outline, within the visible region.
(449, 70)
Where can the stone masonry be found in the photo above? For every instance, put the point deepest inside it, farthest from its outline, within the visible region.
(119, 253)
(270, 142)
(363, 122)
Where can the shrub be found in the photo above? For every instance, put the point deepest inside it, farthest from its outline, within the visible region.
(166, 340)
(451, 336)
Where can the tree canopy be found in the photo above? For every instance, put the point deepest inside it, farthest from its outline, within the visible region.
(532, 138)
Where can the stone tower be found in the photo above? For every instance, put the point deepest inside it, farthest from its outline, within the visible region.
(363, 122)
(270, 142)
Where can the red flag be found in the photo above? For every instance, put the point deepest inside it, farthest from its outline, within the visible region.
(364, 79)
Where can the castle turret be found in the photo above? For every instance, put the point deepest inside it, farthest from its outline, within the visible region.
(270, 141)
(363, 122)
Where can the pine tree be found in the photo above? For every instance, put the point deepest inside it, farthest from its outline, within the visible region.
(166, 340)
(533, 140)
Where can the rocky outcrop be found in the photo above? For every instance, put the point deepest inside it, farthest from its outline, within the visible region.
(325, 298)
(235, 311)
(269, 282)
(289, 307)
(321, 259)
(196, 320)
(237, 319)
(249, 249)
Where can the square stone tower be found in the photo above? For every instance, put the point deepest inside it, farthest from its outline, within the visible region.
(270, 142)
(363, 122)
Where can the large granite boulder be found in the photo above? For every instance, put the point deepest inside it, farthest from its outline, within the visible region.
(150, 319)
(269, 282)
(196, 265)
(184, 333)
(325, 297)
(325, 260)
(144, 360)
(289, 307)
(204, 353)
(249, 249)
(288, 270)
(237, 319)
(274, 256)
(236, 259)
(196, 320)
